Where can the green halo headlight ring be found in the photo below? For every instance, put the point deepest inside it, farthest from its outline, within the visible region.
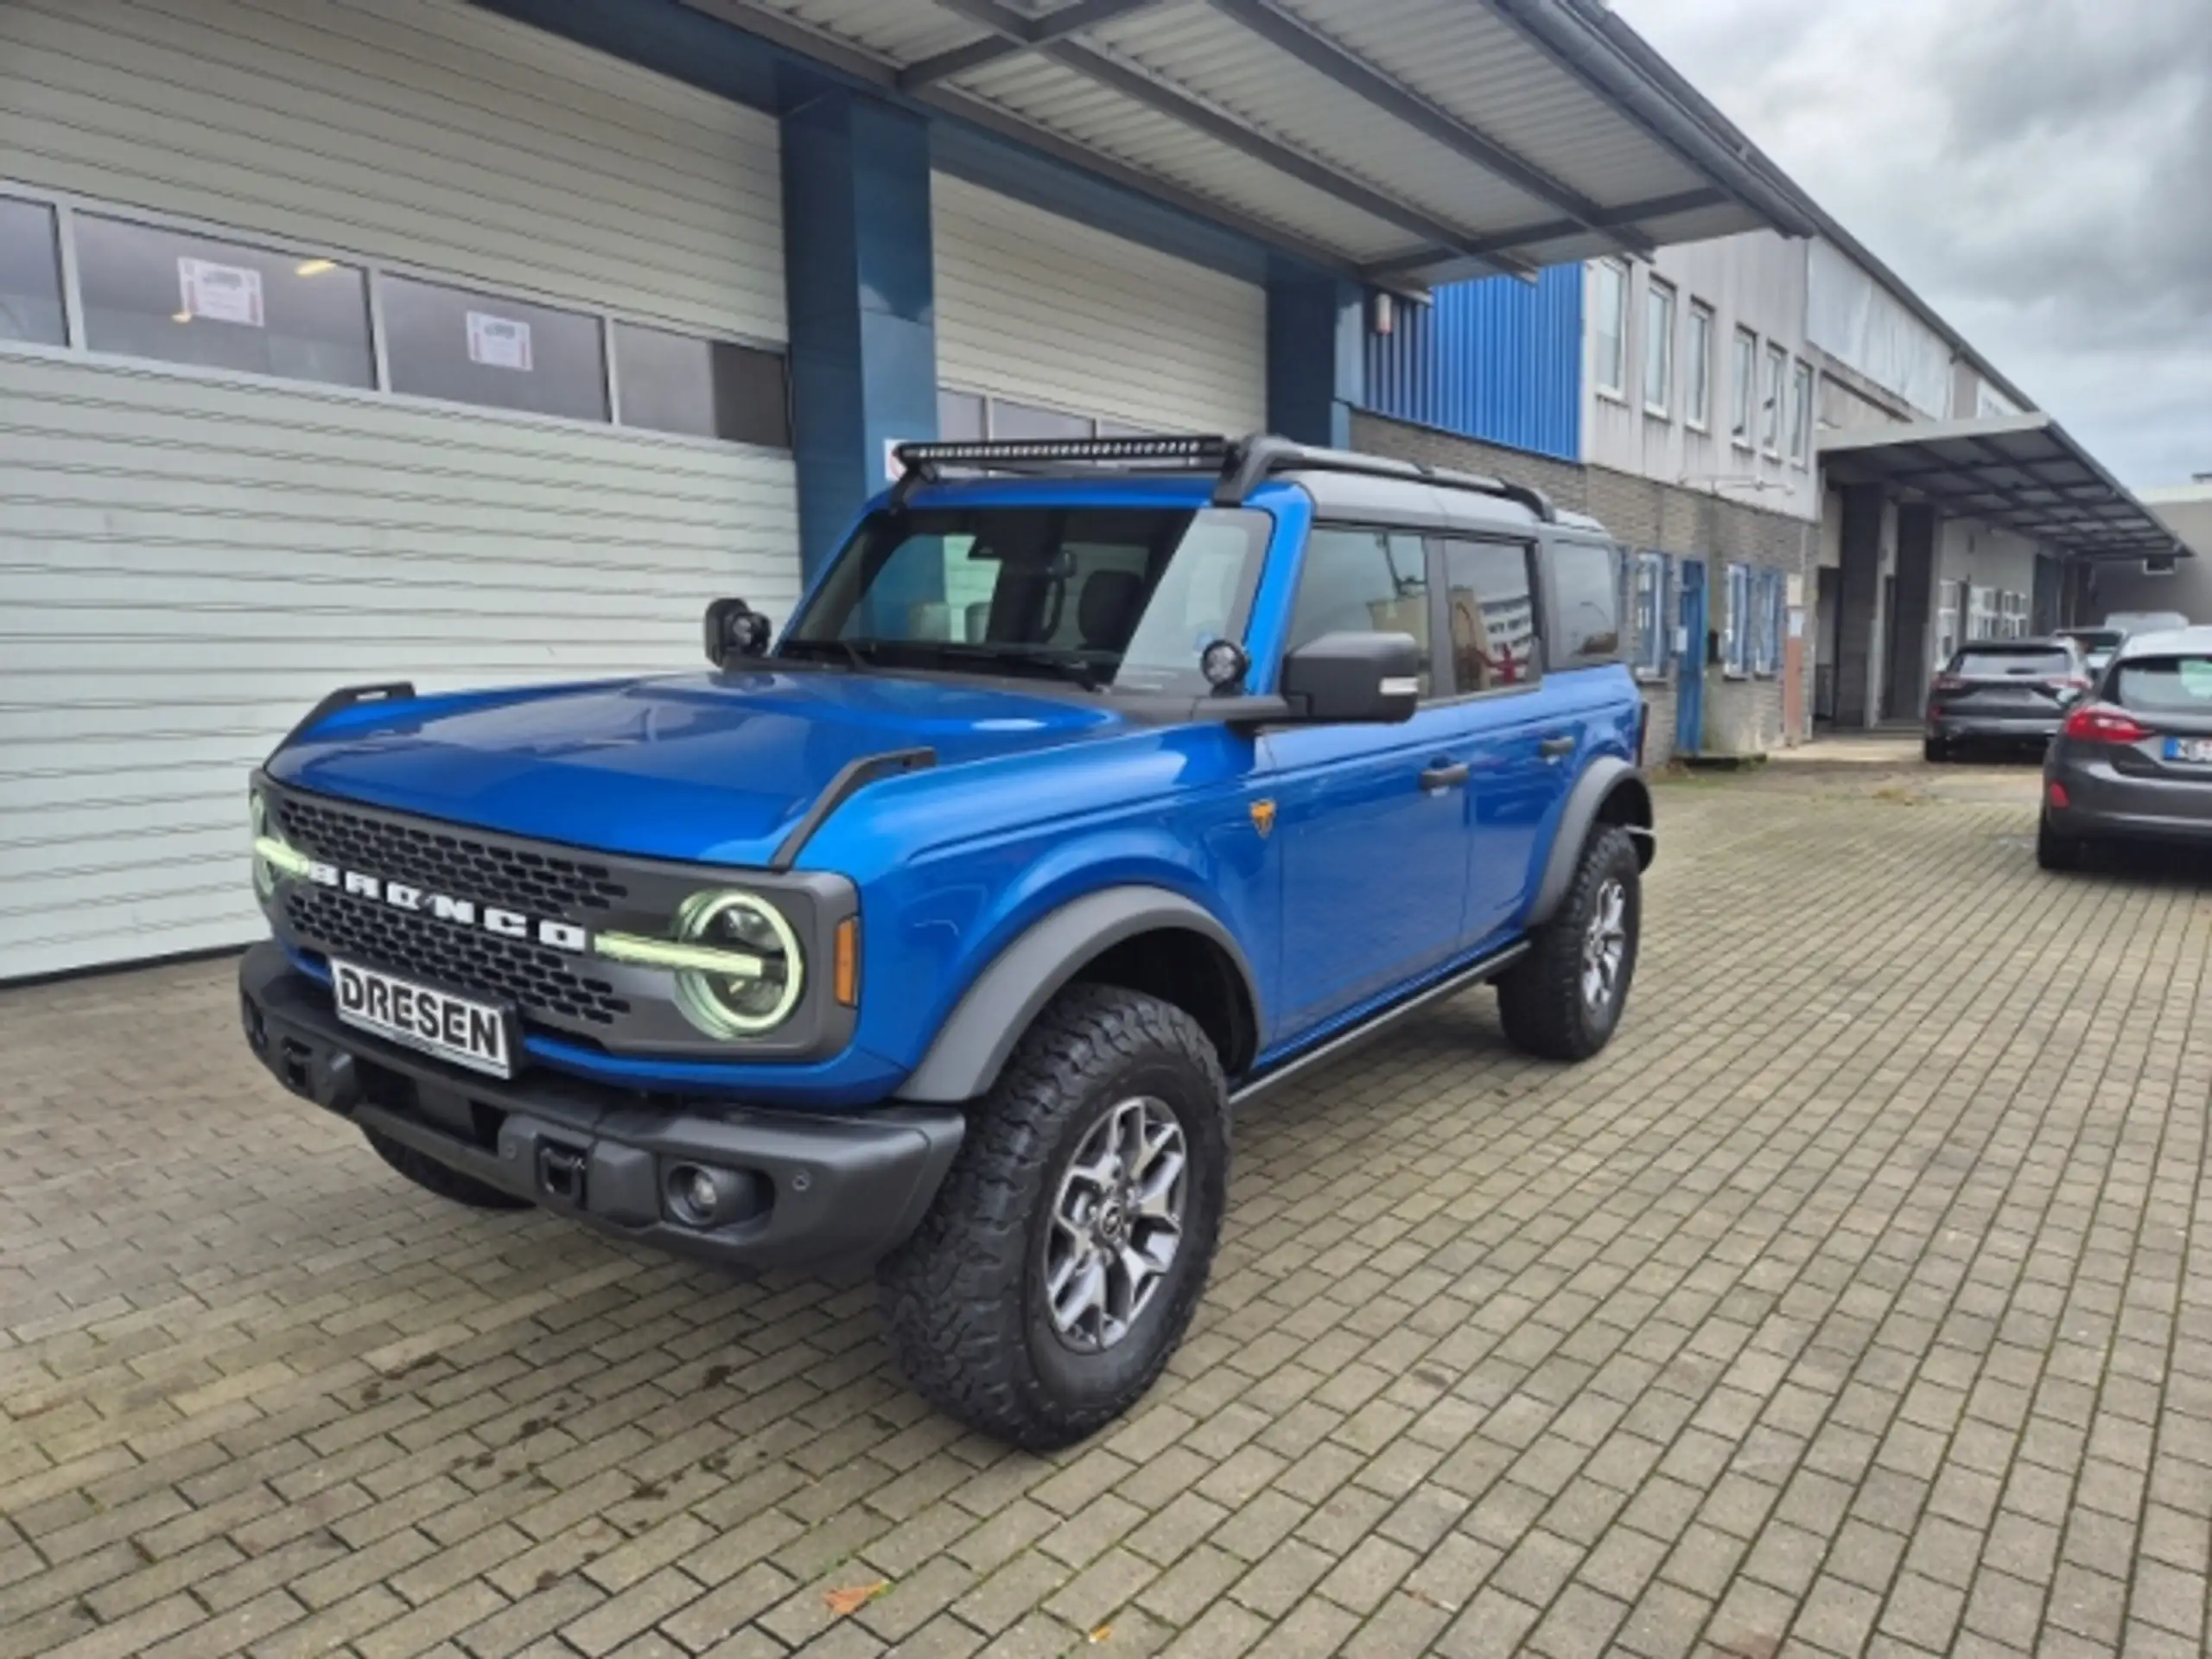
(705, 998)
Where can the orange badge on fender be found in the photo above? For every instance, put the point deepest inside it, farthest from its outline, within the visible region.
(1263, 818)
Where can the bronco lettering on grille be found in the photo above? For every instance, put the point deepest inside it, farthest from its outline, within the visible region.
(463, 912)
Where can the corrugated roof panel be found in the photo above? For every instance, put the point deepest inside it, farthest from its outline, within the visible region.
(899, 31)
(1217, 60)
(1473, 62)
(1060, 100)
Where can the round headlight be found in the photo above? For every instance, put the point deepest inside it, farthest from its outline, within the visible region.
(738, 1004)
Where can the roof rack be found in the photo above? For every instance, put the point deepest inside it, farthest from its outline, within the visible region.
(1240, 465)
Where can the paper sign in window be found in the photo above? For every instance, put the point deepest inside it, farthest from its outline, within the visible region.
(215, 292)
(498, 342)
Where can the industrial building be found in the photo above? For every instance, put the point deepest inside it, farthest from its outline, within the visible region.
(344, 341)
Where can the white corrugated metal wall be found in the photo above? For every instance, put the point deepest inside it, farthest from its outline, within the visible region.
(189, 559)
(1161, 343)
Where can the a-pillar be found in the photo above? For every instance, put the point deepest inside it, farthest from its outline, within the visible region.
(1859, 591)
(1907, 673)
(1317, 363)
(861, 298)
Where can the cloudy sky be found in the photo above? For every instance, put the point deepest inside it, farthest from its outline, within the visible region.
(2041, 170)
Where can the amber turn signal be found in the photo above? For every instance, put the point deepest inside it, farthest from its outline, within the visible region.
(845, 974)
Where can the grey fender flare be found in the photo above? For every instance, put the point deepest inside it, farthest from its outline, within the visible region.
(972, 1046)
(1598, 783)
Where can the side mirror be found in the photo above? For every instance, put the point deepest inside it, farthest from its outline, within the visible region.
(1373, 679)
(735, 629)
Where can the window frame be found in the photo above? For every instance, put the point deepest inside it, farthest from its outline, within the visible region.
(67, 204)
(1660, 310)
(1802, 388)
(1617, 388)
(1735, 635)
(1777, 368)
(1744, 375)
(1697, 411)
(1653, 659)
(1447, 674)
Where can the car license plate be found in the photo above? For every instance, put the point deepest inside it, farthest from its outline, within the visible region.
(2196, 750)
(473, 1035)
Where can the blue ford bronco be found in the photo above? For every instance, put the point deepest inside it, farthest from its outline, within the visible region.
(1095, 787)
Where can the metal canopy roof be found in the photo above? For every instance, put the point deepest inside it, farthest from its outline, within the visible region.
(2022, 472)
(1406, 142)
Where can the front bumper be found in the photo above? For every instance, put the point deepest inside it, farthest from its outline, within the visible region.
(827, 1193)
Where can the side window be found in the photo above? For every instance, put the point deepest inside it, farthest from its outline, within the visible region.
(1362, 581)
(1586, 605)
(1492, 605)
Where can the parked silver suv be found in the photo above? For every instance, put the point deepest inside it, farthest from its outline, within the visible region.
(2133, 759)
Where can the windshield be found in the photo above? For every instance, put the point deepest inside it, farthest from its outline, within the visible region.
(2166, 685)
(1124, 598)
(2043, 663)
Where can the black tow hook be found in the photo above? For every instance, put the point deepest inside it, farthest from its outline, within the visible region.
(560, 1172)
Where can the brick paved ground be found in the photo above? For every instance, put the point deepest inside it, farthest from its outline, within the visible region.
(1852, 1301)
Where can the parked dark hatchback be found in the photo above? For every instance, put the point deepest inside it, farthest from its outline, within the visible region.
(2134, 762)
(2003, 692)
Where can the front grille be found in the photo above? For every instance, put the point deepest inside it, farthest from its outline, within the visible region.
(539, 982)
(452, 861)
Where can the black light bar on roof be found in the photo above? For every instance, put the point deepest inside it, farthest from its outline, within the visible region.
(1195, 450)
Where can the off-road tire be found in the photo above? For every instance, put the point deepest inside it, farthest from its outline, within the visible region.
(433, 1176)
(2057, 852)
(1540, 998)
(1934, 751)
(965, 1298)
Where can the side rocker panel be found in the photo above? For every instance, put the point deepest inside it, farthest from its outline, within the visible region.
(965, 1058)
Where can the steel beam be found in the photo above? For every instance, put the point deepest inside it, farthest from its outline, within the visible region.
(1033, 33)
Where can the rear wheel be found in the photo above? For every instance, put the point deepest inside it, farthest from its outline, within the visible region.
(433, 1176)
(1066, 1251)
(2057, 852)
(1562, 1000)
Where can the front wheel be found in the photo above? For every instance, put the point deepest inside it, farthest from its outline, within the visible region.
(1562, 1000)
(1066, 1253)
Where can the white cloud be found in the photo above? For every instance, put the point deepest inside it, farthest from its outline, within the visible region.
(2040, 170)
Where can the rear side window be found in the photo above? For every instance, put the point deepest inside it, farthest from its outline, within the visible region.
(1492, 605)
(1586, 605)
(2165, 685)
(2012, 664)
(1360, 582)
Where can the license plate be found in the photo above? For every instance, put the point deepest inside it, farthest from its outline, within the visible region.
(473, 1035)
(2197, 750)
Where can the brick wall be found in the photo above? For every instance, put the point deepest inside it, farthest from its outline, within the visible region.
(1741, 716)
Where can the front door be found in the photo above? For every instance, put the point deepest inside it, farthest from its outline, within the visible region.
(1371, 820)
(1689, 665)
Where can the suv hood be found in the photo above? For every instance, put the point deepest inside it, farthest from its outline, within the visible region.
(705, 768)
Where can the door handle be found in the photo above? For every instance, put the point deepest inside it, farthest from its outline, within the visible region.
(1444, 776)
(1556, 748)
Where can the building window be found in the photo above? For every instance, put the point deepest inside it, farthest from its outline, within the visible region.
(1609, 327)
(1801, 412)
(1358, 580)
(31, 274)
(1697, 369)
(1777, 369)
(1981, 613)
(706, 388)
(179, 297)
(470, 347)
(1767, 593)
(1745, 367)
(1736, 626)
(1654, 641)
(1659, 349)
(1947, 621)
(1586, 604)
(1493, 610)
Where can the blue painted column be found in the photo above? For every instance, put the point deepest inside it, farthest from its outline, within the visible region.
(1317, 370)
(860, 294)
